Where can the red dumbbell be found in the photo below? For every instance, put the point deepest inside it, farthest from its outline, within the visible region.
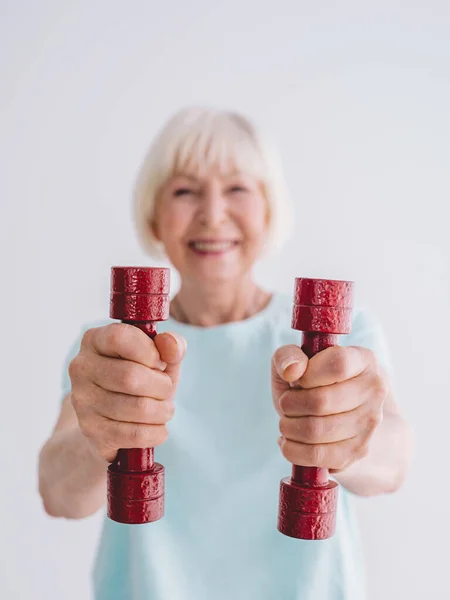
(308, 499)
(140, 297)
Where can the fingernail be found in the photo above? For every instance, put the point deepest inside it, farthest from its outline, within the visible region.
(287, 362)
(280, 440)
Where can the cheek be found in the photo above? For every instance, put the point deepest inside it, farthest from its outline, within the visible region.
(173, 222)
(253, 218)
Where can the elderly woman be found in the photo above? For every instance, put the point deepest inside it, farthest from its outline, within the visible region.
(211, 198)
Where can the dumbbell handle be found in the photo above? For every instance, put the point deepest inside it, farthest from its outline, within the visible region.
(312, 344)
(137, 459)
(135, 481)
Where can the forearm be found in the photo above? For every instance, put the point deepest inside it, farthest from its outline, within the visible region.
(384, 468)
(72, 478)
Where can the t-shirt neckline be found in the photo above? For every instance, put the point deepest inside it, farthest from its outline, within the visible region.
(270, 308)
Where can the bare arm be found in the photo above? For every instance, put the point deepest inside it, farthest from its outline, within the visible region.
(72, 476)
(386, 464)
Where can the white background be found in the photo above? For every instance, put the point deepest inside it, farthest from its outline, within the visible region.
(357, 96)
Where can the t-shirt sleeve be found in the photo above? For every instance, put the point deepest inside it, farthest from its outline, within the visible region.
(367, 332)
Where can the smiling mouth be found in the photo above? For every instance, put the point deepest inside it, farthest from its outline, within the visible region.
(212, 247)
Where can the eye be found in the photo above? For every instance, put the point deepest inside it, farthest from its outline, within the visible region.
(182, 191)
(234, 189)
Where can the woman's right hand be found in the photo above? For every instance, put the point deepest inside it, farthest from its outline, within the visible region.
(123, 384)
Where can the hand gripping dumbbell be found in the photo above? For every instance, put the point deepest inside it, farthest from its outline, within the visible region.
(308, 499)
(135, 483)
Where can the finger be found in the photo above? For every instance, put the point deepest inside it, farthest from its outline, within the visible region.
(336, 456)
(336, 364)
(172, 348)
(122, 340)
(326, 430)
(327, 400)
(288, 364)
(358, 449)
(116, 434)
(132, 409)
(125, 377)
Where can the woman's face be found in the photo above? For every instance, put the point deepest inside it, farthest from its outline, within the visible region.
(212, 227)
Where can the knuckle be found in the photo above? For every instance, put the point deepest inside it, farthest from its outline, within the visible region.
(142, 406)
(340, 361)
(86, 339)
(131, 379)
(317, 455)
(312, 429)
(117, 333)
(139, 435)
(320, 399)
(76, 367)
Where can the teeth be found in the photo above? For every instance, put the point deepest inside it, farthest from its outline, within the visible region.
(212, 246)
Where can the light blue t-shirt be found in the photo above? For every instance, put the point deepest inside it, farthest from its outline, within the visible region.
(218, 539)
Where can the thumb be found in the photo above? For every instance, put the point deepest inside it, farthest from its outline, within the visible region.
(171, 348)
(288, 365)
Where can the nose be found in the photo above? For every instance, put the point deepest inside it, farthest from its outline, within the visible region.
(213, 206)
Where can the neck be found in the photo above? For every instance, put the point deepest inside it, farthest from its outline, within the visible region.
(218, 303)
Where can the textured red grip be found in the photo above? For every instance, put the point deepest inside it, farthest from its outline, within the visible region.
(308, 499)
(135, 483)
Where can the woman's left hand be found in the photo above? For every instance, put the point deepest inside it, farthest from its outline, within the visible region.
(329, 405)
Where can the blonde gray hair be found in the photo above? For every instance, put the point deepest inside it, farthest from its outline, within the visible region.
(196, 139)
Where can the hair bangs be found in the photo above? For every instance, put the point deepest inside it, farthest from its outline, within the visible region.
(212, 142)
